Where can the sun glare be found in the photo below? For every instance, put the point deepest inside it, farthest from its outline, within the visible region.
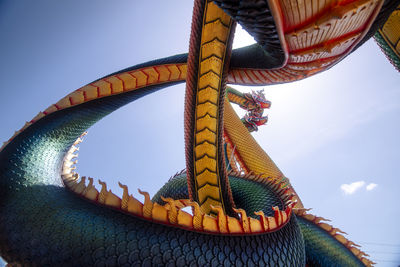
(242, 38)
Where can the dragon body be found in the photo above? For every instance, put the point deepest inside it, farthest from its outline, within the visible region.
(244, 210)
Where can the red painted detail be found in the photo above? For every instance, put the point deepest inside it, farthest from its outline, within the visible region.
(218, 223)
(233, 76)
(288, 211)
(322, 60)
(316, 17)
(111, 86)
(169, 75)
(177, 66)
(346, 35)
(98, 90)
(84, 96)
(276, 216)
(123, 83)
(147, 76)
(345, 2)
(57, 107)
(45, 112)
(272, 76)
(255, 75)
(250, 79)
(226, 224)
(240, 75)
(235, 153)
(307, 21)
(70, 101)
(285, 74)
(328, 42)
(264, 220)
(240, 224)
(158, 73)
(264, 77)
(130, 73)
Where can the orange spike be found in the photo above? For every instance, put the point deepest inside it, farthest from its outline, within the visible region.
(284, 217)
(172, 206)
(71, 183)
(125, 196)
(351, 243)
(159, 213)
(341, 239)
(301, 212)
(74, 149)
(185, 219)
(355, 251)
(148, 205)
(244, 220)
(112, 200)
(234, 226)
(74, 182)
(255, 225)
(309, 217)
(289, 208)
(264, 221)
(134, 206)
(103, 192)
(272, 223)
(277, 216)
(222, 220)
(197, 215)
(337, 230)
(325, 226)
(91, 191)
(210, 223)
(81, 186)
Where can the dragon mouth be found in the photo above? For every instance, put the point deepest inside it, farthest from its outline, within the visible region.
(172, 212)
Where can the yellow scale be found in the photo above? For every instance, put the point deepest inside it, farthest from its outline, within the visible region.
(214, 40)
(391, 31)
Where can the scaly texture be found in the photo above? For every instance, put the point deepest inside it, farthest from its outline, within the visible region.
(203, 133)
(42, 214)
(43, 223)
(388, 38)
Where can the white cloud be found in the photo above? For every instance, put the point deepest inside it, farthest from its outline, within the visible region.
(349, 189)
(371, 186)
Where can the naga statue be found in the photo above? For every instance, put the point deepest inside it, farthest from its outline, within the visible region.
(244, 210)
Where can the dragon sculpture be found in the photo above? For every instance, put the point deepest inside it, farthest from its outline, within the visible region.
(244, 210)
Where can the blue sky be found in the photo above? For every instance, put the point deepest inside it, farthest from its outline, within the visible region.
(335, 129)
